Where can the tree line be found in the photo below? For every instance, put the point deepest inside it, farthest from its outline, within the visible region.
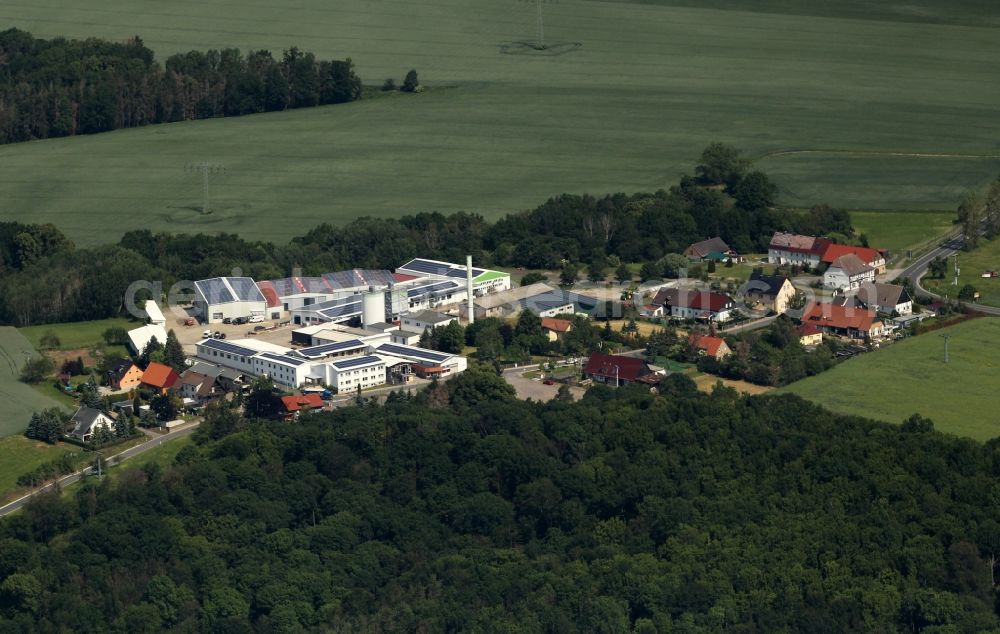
(61, 87)
(464, 509)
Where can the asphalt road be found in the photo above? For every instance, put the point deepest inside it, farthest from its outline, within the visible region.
(951, 245)
(117, 458)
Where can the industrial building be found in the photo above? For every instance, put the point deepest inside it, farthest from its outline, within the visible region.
(222, 298)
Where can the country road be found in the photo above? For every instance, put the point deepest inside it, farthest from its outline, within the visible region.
(949, 246)
(117, 458)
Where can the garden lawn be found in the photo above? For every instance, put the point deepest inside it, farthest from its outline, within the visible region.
(21, 455)
(911, 377)
(17, 400)
(76, 335)
(859, 104)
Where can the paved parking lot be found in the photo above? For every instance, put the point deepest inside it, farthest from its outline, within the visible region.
(535, 389)
(190, 335)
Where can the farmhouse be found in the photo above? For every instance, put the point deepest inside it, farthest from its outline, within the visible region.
(87, 421)
(847, 272)
(809, 334)
(651, 311)
(615, 370)
(711, 249)
(872, 257)
(888, 299)
(222, 298)
(844, 321)
(301, 403)
(706, 305)
(159, 377)
(790, 248)
(124, 376)
(714, 347)
(554, 328)
(771, 292)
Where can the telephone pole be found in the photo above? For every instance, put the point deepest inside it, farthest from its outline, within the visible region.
(206, 170)
(946, 336)
(539, 27)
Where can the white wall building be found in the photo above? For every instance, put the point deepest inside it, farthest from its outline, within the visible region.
(220, 298)
(847, 273)
(348, 375)
(484, 281)
(424, 319)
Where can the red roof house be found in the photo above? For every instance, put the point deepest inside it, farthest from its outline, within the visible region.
(714, 347)
(556, 328)
(614, 369)
(847, 321)
(160, 377)
(302, 402)
(871, 257)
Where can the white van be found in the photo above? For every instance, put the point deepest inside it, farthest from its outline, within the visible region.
(256, 319)
(207, 334)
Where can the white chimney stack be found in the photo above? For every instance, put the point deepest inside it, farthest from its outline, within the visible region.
(468, 277)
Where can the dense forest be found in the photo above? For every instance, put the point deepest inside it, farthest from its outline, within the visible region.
(44, 279)
(462, 509)
(60, 87)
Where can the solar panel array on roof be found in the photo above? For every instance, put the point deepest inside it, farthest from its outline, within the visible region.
(315, 352)
(246, 289)
(427, 267)
(457, 272)
(214, 291)
(342, 310)
(356, 362)
(436, 287)
(225, 346)
(411, 352)
(282, 358)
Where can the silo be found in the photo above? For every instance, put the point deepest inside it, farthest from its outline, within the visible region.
(373, 308)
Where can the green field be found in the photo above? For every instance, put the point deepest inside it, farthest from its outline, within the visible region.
(898, 230)
(17, 400)
(864, 104)
(972, 265)
(21, 455)
(911, 377)
(72, 336)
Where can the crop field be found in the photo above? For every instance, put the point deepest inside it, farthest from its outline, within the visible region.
(865, 104)
(911, 376)
(17, 400)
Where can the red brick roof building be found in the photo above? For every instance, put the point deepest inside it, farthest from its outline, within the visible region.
(159, 377)
(614, 369)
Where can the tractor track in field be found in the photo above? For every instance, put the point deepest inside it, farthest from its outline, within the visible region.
(874, 153)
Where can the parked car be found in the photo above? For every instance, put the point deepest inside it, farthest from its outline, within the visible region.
(548, 382)
(256, 319)
(227, 320)
(259, 328)
(190, 321)
(206, 334)
(219, 335)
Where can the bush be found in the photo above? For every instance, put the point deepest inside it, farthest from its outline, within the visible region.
(49, 340)
(36, 369)
(389, 85)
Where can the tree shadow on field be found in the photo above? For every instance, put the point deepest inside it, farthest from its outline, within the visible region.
(528, 47)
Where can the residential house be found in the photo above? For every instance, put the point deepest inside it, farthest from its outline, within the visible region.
(87, 421)
(159, 377)
(772, 292)
(124, 376)
(301, 403)
(847, 273)
(844, 321)
(615, 370)
(790, 248)
(705, 305)
(809, 334)
(872, 257)
(715, 347)
(555, 328)
(889, 299)
(196, 386)
(711, 249)
(651, 311)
